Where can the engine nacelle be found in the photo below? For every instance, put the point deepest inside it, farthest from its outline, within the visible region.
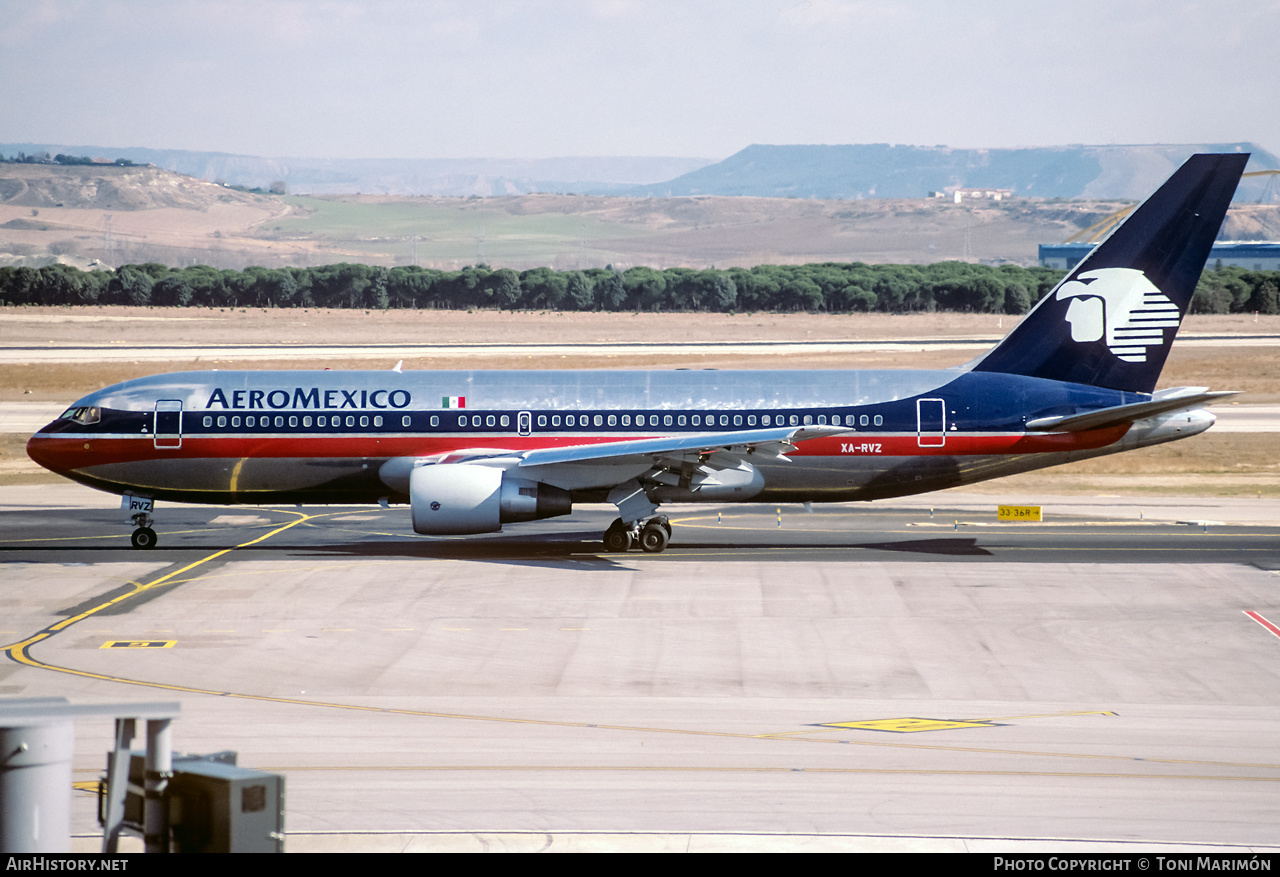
(456, 499)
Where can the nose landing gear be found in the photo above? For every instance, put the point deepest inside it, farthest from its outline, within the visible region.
(138, 512)
(650, 535)
(144, 537)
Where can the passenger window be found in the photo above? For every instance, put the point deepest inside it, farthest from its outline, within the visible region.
(322, 421)
(666, 420)
(293, 420)
(822, 420)
(850, 420)
(751, 420)
(863, 421)
(555, 419)
(279, 420)
(737, 420)
(680, 420)
(351, 421)
(696, 420)
(724, 419)
(569, 420)
(626, 420)
(879, 420)
(613, 420)
(505, 421)
(653, 420)
(222, 421)
(250, 421)
(542, 420)
(235, 422)
(765, 419)
(795, 421)
(208, 421)
(808, 420)
(377, 420)
(462, 420)
(599, 420)
(306, 421)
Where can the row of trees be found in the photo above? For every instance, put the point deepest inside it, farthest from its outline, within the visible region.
(842, 287)
(60, 158)
(835, 287)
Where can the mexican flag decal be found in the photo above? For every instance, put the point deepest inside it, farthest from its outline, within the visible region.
(453, 401)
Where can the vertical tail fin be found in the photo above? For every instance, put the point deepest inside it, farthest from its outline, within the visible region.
(1111, 321)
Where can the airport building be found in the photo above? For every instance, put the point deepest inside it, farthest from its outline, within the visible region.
(1253, 256)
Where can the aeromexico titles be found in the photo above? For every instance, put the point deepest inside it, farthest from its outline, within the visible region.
(470, 451)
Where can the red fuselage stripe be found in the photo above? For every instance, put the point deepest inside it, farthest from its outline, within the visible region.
(78, 451)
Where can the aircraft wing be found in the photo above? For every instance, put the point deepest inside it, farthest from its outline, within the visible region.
(1170, 400)
(775, 442)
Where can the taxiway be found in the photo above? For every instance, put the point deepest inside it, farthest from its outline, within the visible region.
(904, 675)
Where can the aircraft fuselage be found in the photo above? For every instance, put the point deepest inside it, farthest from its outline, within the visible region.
(325, 437)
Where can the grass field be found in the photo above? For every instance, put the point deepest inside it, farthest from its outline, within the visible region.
(450, 231)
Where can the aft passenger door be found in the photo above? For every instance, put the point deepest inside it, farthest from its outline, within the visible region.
(167, 431)
(931, 423)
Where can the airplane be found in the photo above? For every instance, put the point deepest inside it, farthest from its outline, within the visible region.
(470, 451)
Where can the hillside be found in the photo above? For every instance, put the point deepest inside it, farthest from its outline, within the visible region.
(447, 177)
(110, 187)
(119, 215)
(882, 170)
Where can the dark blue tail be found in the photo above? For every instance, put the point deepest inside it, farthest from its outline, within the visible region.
(1111, 321)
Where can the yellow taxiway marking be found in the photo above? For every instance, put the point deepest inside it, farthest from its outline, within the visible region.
(911, 724)
(1050, 715)
(139, 644)
(908, 725)
(18, 651)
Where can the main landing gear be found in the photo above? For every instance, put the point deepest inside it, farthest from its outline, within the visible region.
(650, 535)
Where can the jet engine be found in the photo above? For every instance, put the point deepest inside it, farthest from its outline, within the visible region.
(455, 499)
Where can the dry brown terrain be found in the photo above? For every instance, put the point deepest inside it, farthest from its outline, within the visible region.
(1229, 463)
(119, 215)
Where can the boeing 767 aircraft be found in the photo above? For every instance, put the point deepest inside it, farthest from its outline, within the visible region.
(470, 451)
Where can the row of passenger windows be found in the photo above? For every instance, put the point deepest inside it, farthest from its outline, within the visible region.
(337, 421)
(265, 421)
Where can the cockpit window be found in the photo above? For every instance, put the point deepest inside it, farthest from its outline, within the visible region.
(82, 415)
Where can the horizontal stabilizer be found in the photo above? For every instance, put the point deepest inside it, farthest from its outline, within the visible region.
(1120, 414)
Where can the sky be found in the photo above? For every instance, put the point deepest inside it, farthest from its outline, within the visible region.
(524, 79)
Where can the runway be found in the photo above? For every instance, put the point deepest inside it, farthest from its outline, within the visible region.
(903, 675)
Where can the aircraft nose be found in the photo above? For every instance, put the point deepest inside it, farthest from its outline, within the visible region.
(50, 453)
